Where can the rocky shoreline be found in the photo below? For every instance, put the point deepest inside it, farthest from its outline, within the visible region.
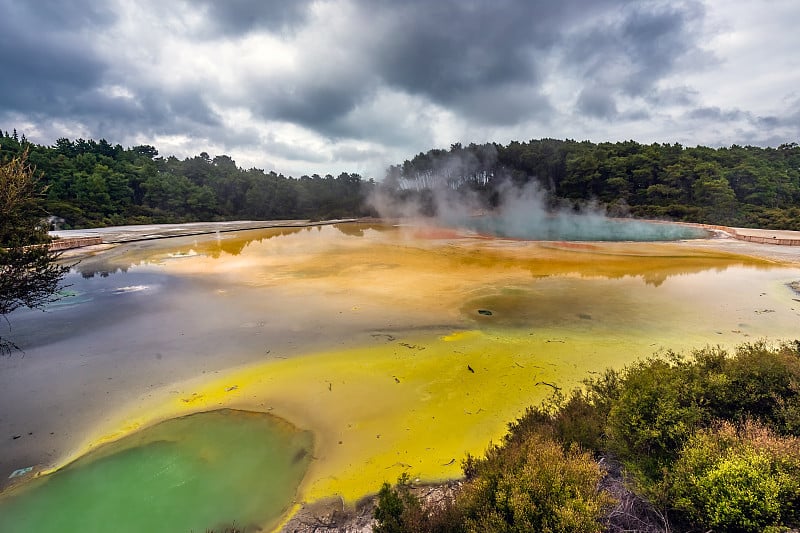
(333, 516)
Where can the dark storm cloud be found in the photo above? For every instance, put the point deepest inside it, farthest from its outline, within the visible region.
(241, 16)
(484, 61)
(316, 104)
(597, 102)
(455, 51)
(53, 70)
(654, 40)
(357, 78)
(716, 114)
(631, 52)
(46, 59)
(489, 62)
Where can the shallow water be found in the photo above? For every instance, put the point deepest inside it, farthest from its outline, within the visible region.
(202, 471)
(364, 335)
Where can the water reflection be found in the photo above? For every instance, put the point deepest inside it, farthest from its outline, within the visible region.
(448, 249)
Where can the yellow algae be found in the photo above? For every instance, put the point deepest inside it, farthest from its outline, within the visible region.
(408, 405)
(460, 335)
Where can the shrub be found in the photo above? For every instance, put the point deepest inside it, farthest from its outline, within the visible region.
(738, 480)
(534, 485)
(578, 420)
(660, 402)
(763, 384)
(656, 412)
(398, 509)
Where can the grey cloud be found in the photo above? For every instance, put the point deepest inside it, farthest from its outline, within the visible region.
(636, 115)
(639, 46)
(505, 105)
(597, 103)
(47, 58)
(389, 126)
(315, 104)
(453, 51)
(744, 127)
(350, 153)
(655, 40)
(380, 75)
(235, 17)
(716, 114)
(679, 96)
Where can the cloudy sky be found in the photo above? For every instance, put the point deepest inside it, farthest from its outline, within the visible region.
(355, 85)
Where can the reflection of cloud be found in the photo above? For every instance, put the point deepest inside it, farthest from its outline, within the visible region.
(130, 288)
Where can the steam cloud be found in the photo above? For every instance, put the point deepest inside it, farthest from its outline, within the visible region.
(439, 197)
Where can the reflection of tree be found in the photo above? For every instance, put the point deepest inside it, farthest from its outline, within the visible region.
(234, 245)
(87, 272)
(353, 230)
(357, 229)
(213, 245)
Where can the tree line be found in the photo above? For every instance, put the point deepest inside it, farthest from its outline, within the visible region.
(737, 186)
(94, 183)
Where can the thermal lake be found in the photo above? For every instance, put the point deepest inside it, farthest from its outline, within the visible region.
(391, 349)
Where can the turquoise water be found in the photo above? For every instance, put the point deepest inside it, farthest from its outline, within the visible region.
(204, 471)
(576, 227)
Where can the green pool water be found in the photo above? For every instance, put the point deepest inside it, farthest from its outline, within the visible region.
(195, 473)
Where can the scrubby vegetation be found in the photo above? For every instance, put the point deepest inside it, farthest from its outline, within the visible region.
(704, 442)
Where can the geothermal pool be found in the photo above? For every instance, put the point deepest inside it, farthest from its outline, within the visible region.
(396, 349)
(183, 474)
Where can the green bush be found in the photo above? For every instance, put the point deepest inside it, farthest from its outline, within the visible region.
(660, 402)
(398, 509)
(737, 480)
(657, 410)
(579, 419)
(534, 485)
(761, 383)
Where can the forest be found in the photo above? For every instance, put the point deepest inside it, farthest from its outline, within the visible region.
(736, 186)
(94, 183)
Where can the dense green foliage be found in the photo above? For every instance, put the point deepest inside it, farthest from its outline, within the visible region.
(96, 184)
(712, 441)
(526, 485)
(739, 186)
(534, 485)
(738, 479)
(29, 275)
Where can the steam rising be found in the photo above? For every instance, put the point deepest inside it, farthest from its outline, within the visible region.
(458, 195)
